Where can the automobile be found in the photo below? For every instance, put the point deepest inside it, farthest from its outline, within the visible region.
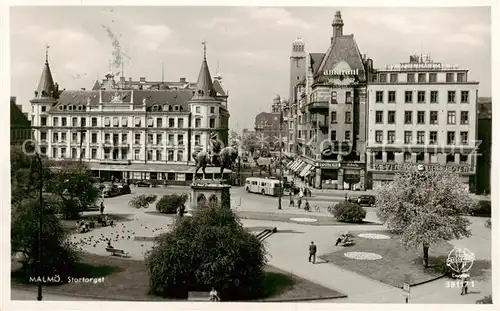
(366, 200)
(142, 183)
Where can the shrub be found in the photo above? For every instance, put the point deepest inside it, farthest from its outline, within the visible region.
(58, 255)
(142, 201)
(348, 212)
(487, 223)
(485, 300)
(209, 249)
(169, 204)
(483, 208)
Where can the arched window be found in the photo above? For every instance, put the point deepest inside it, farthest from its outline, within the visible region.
(201, 200)
(213, 199)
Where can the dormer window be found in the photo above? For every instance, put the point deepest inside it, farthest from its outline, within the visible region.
(70, 107)
(170, 108)
(176, 108)
(80, 107)
(60, 108)
(155, 108)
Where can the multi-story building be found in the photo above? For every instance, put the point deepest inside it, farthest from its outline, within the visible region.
(268, 125)
(420, 112)
(127, 132)
(330, 99)
(484, 138)
(20, 126)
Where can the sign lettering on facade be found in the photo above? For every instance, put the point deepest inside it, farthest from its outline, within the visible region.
(328, 164)
(339, 72)
(427, 167)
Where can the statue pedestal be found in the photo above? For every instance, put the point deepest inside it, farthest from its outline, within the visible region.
(210, 191)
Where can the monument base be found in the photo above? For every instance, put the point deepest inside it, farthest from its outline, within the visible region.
(207, 191)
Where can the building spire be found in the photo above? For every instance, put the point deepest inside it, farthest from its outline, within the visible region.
(47, 47)
(46, 87)
(204, 85)
(338, 25)
(204, 43)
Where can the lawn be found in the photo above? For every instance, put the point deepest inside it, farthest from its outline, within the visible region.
(126, 279)
(70, 225)
(396, 262)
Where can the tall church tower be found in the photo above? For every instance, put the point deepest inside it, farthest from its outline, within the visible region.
(297, 66)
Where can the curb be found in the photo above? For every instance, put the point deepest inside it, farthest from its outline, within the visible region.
(427, 281)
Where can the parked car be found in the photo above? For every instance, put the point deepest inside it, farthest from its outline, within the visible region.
(124, 188)
(111, 190)
(366, 200)
(142, 183)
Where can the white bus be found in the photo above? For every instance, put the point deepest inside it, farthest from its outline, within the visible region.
(264, 186)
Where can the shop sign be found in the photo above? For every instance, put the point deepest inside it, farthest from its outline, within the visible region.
(328, 164)
(353, 165)
(340, 72)
(427, 167)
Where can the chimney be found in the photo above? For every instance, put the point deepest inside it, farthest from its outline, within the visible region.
(83, 89)
(130, 81)
(183, 80)
(142, 79)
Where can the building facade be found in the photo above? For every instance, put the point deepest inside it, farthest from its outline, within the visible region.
(329, 101)
(420, 112)
(269, 124)
(131, 132)
(20, 126)
(484, 137)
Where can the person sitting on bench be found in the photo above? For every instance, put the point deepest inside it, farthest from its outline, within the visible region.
(109, 244)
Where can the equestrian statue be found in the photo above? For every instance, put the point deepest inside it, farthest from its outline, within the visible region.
(225, 159)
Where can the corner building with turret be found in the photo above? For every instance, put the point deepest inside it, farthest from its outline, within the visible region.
(132, 131)
(326, 114)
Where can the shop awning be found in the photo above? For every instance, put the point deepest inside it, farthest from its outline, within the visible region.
(305, 170)
(300, 167)
(290, 164)
(296, 165)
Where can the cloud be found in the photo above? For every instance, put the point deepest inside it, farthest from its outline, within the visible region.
(278, 16)
(478, 28)
(464, 39)
(221, 21)
(402, 23)
(161, 31)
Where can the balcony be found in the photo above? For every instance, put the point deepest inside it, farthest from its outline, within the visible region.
(107, 143)
(318, 105)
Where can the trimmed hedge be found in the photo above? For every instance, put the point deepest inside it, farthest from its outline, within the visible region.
(169, 204)
(348, 212)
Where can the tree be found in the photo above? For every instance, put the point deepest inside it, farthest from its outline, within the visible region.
(348, 212)
(73, 184)
(425, 207)
(170, 204)
(58, 254)
(209, 249)
(234, 140)
(250, 143)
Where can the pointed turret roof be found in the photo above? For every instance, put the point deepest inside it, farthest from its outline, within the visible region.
(46, 86)
(97, 86)
(204, 85)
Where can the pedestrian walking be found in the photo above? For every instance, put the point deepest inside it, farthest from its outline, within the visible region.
(299, 202)
(292, 203)
(102, 207)
(346, 196)
(312, 252)
(465, 286)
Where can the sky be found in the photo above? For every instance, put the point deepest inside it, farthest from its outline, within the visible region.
(251, 46)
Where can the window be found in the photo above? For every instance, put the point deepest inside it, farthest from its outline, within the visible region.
(333, 98)
(333, 117)
(124, 138)
(54, 152)
(137, 139)
(43, 121)
(347, 135)
(348, 97)
(450, 158)
(74, 153)
(421, 78)
(137, 121)
(159, 122)
(408, 117)
(391, 96)
(180, 155)
(212, 123)
(421, 97)
(433, 77)
(379, 96)
(464, 117)
(107, 138)
(348, 117)
(451, 117)
(43, 136)
(150, 139)
(170, 154)
(63, 152)
(391, 117)
(382, 78)
(450, 77)
(464, 97)
(212, 109)
(391, 156)
(83, 122)
(451, 97)
(464, 138)
(197, 109)
(333, 135)
(408, 137)
(150, 122)
(407, 157)
(93, 138)
(379, 117)
(434, 97)
(158, 155)
(197, 122)
(420, 157)
(55, 121)
(171, 122)
(420, 117)
(63, 137)
(464, 158)
(116, 122)
(44, 108)
(180, 139)
(93, 153)
(461, 77)
(433, 117)
(394, 77)
(137, 154)
(150, 155)
(433, 137)
(63, 121)
(450, 139)
(391, 137)
(378, 137)
(408, 97)
(197, 140)
(74, 122)
(410, 77)
(378, 156)
(159, 139)
(171, 139)
(420, 137)
(433, 157)
(74, 137)
(180, 122)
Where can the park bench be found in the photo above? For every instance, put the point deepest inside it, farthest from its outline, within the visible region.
(348, 243)
(117, 252)
(198, 296)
